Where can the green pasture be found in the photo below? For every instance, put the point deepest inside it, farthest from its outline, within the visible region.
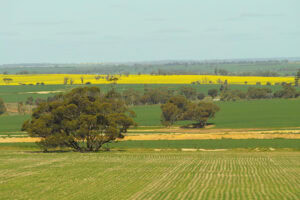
(149, 175)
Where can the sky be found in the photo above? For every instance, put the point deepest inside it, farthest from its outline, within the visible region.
(80, 31)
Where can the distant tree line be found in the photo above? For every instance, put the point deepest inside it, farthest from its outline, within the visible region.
(287, 91)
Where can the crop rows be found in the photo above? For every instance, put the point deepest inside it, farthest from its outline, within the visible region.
(160, 175)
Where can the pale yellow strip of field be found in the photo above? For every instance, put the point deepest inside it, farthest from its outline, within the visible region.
(175, 136)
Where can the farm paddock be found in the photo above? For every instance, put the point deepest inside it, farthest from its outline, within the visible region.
(29, 174)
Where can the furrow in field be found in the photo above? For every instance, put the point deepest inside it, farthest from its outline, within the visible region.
(191, 187)
(155, 185)
(166, 186)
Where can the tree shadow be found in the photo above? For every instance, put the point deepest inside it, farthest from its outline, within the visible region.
(48, 152)
(194, 126)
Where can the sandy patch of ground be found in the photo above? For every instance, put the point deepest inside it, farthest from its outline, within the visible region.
(190, 150)
(209, 136)
(16, 140)
(42, 92)
(177, 130)
(213, 149)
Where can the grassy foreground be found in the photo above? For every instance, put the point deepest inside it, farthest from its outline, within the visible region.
(149, 175)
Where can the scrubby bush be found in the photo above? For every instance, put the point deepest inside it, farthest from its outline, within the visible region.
(259, 93)
(287, 92)
(232, 95)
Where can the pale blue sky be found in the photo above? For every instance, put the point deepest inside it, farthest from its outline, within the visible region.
(65, 31)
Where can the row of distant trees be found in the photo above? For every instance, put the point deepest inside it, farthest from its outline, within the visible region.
(161, 95)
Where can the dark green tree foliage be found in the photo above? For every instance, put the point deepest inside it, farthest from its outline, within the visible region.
(39, 101)
(288, 91)
(259, 93)
(213, 93)
(170, 113)
(179, 108)
(29, 101)
(200, 112)
(156, 95)
(200, 96)
(173, 110)
(2, 107)
(131, 96)
(82, 119)
(189, 92)
(232, 95)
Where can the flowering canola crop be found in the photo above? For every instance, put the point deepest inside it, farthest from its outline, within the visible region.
(58, 79)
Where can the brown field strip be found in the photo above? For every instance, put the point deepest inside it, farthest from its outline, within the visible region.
(178, 136)
(191, 134)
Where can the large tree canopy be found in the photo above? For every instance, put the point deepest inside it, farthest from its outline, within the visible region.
(82, 119)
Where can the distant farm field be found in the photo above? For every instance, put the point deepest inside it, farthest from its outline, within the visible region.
(149, 175)
(54, 79)
(241, 114)
(274, 113)
(16, 93)
(264, 144)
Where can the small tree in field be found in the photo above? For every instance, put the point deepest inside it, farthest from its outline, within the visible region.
(7, 80)
(170, 113)
(179, 108)
(213, 93)
(82, 119)
(200, 112)
(2, 107)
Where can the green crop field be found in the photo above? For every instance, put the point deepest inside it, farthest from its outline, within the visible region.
(11, 94)
(12, 123)
(210, 144)
(149, 175)
(249, 144)
(274, 113)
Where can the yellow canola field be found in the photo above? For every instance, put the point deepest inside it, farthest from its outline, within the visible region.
(54, 79)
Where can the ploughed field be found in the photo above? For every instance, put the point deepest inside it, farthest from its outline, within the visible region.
(149, 175)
